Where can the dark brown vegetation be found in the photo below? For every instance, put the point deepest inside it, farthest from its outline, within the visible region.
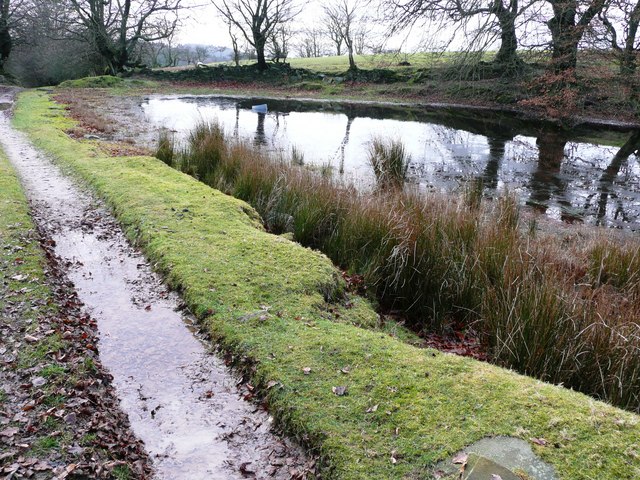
(562, 309)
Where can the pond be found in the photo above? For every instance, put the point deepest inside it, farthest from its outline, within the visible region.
(579, 175)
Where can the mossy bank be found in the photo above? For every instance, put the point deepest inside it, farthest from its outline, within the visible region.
(280, 310)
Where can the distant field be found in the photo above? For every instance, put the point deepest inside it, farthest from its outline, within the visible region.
(336, 64)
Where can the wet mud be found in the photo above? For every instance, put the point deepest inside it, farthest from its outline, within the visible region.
(182, 401)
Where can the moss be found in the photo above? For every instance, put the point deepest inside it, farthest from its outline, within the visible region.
(429, 405)
(104, 81)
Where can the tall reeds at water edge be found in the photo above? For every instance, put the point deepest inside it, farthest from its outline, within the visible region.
(566, 313)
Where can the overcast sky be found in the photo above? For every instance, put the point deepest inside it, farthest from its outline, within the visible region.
(203, 25)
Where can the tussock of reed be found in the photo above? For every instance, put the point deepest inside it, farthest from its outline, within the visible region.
(565, 318)
(166, 149)
(389, 160)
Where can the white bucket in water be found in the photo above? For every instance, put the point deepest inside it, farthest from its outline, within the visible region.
(260, 108)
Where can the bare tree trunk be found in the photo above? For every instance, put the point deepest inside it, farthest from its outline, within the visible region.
(5, 35)
(566, 31)
(236, 50)
(352, 62)
(260, 43)
(5, 46)
(564, 55)
(507, 55)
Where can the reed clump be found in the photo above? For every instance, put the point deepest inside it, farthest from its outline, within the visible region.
(566, 318)
(166, 148)
(389, 160)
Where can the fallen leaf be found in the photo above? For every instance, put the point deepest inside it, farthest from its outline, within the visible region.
(339, 391)
(245, 471)
(461, 459)
(9, 432)
(539, 441)
(372, 409)
(38, 381)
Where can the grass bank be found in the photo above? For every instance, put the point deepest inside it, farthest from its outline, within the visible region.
(279, 310)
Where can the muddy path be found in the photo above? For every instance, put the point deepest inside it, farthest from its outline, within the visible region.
(181, 400)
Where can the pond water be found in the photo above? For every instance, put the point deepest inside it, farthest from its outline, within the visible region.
(579, 175)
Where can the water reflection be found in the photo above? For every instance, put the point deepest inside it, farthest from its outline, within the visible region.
(260, 137)
(570, 175)
(546, 181)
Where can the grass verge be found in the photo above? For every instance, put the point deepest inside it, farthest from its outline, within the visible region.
(273, 305)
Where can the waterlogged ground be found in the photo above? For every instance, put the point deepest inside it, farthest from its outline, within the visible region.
(181, 400)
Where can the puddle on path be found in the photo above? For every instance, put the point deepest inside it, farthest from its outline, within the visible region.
(181, 400)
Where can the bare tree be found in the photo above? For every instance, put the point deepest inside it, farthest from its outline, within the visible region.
(279, 43)
(334, 32)
(201, 53)
(234, 44)
(115, 27)
(311, 44)
(361, 37)
(343, 17)
(567, 26)
(257, 20)
(502, 15)
(625, 16)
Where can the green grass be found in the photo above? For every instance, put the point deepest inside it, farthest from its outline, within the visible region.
(36, 353)
(43, 445)
(21, 260)
(340, 64)
(106, 81)
(429, 404)
(53, 371)
(121, 472)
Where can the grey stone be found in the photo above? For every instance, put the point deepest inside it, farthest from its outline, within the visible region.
(481, 468)
(513, 454)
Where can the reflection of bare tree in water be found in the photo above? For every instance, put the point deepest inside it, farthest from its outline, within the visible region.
(605, 186)
(236, 127)
(345, 141)
(496, 155)
(545, 181)
(260, 138)
(276, 129)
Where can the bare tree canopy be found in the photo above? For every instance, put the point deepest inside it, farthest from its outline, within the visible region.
(342, 18)
(115, 27)
(258, 20)
(620, 21)
(502, 15)
(311, 43)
